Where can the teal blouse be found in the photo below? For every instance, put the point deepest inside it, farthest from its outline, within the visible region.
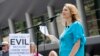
(69, 37)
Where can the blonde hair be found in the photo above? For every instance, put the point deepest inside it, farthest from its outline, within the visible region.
(73, 11)
(52, 53)
(32, 44)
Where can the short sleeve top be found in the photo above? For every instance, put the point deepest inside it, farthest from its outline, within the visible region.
(69, 37)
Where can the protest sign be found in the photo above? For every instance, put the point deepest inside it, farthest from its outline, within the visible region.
(19, 45)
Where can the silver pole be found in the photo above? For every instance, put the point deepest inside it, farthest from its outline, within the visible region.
(29, 25)
(11, 26)
(52, 26)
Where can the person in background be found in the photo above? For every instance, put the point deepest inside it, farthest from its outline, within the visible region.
(5, 48)
(72, 39)
(52, 53)
(33, 50)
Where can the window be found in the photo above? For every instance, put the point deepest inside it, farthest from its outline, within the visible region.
(5, 31)
(4, 34)
(91, 17)
(36, 22)
(20, 26)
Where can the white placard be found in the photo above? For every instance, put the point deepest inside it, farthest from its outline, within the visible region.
(44, 30)
(19, 45)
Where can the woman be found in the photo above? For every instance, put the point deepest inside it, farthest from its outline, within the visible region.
(52, 53)
(72, 39)
(33, 50)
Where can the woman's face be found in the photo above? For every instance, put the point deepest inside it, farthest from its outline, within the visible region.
(5, 48)
(66, 12)
(32, 49)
